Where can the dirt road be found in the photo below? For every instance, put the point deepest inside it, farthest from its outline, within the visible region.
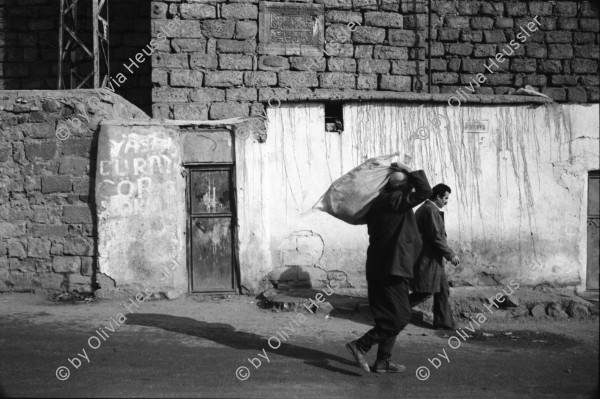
(192, 348)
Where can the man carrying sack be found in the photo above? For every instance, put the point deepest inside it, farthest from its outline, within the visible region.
(394, 245)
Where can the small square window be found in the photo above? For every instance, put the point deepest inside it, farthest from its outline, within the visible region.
(334, 117)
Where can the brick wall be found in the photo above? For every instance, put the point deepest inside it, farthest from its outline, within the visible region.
(47, 217)
(210, 68)
(29, 44)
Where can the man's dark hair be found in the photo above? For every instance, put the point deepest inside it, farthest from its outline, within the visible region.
(439, 190)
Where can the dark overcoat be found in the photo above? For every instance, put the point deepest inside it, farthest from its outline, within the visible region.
(429, 267)
(394, 241)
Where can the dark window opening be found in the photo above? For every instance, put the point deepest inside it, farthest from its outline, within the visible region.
(334, 117)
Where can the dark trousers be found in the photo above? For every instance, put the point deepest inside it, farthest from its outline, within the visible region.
(442, 313)
(388, 299)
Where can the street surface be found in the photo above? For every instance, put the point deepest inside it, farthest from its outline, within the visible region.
(192, 348)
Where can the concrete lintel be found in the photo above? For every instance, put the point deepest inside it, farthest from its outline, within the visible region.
(321, 95)
(221, 123)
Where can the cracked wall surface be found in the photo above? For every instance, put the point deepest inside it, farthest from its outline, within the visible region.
(140, 196)
(517, 210)
(518, 206)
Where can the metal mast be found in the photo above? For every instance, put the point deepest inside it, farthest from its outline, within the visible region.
(78, 49)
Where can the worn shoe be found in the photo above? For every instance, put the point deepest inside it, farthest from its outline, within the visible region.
(386, 366)
(359, 356)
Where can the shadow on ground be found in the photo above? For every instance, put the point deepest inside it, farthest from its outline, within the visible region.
(227, 335)
(353, 308)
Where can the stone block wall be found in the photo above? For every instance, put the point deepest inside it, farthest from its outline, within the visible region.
(209, 66)
(47, 168)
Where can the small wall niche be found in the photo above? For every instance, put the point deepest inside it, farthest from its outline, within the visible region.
(334, 117)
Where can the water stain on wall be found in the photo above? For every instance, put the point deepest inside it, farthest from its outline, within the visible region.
(496, 159)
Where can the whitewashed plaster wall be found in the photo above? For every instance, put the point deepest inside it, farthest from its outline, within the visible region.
(140, 197)
(518, 206)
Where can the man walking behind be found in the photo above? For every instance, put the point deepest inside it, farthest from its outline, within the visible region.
(394, 245)
(429, 274)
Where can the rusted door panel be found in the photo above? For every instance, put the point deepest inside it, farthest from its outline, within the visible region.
(210, 192)
(211, 209)
(593, 254)
(593, 226)
(212, 254)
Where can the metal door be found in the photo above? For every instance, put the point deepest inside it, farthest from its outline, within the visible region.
(593, 226)
(211, 220)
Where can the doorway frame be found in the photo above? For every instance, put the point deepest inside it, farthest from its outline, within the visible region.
(591, 174)
(189, 167)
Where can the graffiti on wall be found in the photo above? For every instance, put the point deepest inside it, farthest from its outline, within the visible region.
(139, 196)
(129, 169)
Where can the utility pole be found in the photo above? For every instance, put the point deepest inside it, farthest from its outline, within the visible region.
(83, 60)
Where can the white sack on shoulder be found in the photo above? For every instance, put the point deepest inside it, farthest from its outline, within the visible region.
(349, 197)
